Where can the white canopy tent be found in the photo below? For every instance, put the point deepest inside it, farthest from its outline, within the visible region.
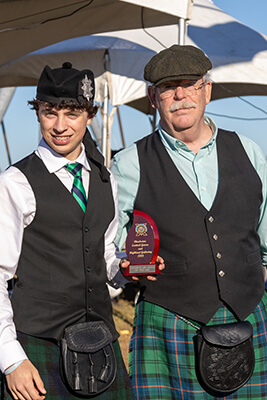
(28, 25)
(238, 54)
(117, 64)
(116, 61)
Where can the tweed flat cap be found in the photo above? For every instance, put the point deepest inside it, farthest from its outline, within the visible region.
(66, 84)
(175, 63)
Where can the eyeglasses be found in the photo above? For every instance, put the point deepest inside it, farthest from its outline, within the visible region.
(168, 90)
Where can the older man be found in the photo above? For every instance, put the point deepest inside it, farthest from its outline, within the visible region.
(205, 188)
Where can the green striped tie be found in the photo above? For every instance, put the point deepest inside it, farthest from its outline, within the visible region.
(77, 190)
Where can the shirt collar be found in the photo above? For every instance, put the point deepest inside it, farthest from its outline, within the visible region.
(175, 144)
(54, 161)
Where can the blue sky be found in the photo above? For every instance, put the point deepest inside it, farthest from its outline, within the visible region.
(23, 132)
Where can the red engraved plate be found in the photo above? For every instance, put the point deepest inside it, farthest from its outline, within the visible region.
(142, 245)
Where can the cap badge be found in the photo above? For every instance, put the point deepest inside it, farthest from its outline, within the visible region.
(87, 88)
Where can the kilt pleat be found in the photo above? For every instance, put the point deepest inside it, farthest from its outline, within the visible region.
(45, 357)
(162, 362)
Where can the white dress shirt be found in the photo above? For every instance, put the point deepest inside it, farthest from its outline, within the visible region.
(17, 211)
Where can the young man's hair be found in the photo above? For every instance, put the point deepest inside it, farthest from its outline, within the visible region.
(90, 107)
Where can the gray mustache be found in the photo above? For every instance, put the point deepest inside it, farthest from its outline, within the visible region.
(183, 104)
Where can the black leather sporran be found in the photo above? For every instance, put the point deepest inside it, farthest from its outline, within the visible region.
(225, 356)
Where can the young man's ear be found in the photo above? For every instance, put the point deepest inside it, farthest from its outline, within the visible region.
(37, 115)
(89, 120)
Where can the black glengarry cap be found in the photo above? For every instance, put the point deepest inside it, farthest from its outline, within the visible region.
(176, 63)
(66, 85)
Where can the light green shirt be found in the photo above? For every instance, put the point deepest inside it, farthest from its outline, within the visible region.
(200, 171)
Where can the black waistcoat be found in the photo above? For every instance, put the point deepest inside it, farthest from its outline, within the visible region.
(211, 257)
(62, 271)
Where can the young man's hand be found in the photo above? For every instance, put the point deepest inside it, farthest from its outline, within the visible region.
(125, 263)
(25, 383)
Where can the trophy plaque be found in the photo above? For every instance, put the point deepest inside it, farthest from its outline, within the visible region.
(142, 246)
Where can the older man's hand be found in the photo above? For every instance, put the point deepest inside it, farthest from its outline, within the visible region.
(125, 263)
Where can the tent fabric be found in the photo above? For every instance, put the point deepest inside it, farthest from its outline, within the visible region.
(28, 25)
(238, 54)
(116, 61)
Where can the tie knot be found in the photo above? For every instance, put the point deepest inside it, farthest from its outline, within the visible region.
(75, 168)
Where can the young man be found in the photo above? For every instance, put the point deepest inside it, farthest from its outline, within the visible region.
(205, 188)
(58, 222)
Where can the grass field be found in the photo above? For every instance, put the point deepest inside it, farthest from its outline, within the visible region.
(123, 314)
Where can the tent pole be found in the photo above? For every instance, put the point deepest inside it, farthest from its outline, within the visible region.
(181, 31)
(110, 122)
(6, 144)
(108, 144)
(105, 121)
(121, 130)
(105, 132)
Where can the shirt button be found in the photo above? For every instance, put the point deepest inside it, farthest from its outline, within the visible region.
(203, 188)
(89, 309)
(88, 269)
(211, 219)
(87, 249)
(90, 289)
(221, 273)
(215, 237)
(86, 230)
(218, 255)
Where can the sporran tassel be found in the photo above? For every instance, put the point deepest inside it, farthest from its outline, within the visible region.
(103, 375)
(92, 380)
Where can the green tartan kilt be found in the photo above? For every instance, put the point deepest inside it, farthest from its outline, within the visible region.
(45, 357)
(162, 362)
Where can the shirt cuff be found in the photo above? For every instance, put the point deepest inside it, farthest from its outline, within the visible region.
(13, 367)
(264, 258)
(11, 353)
(118, 280)
(115, 277)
